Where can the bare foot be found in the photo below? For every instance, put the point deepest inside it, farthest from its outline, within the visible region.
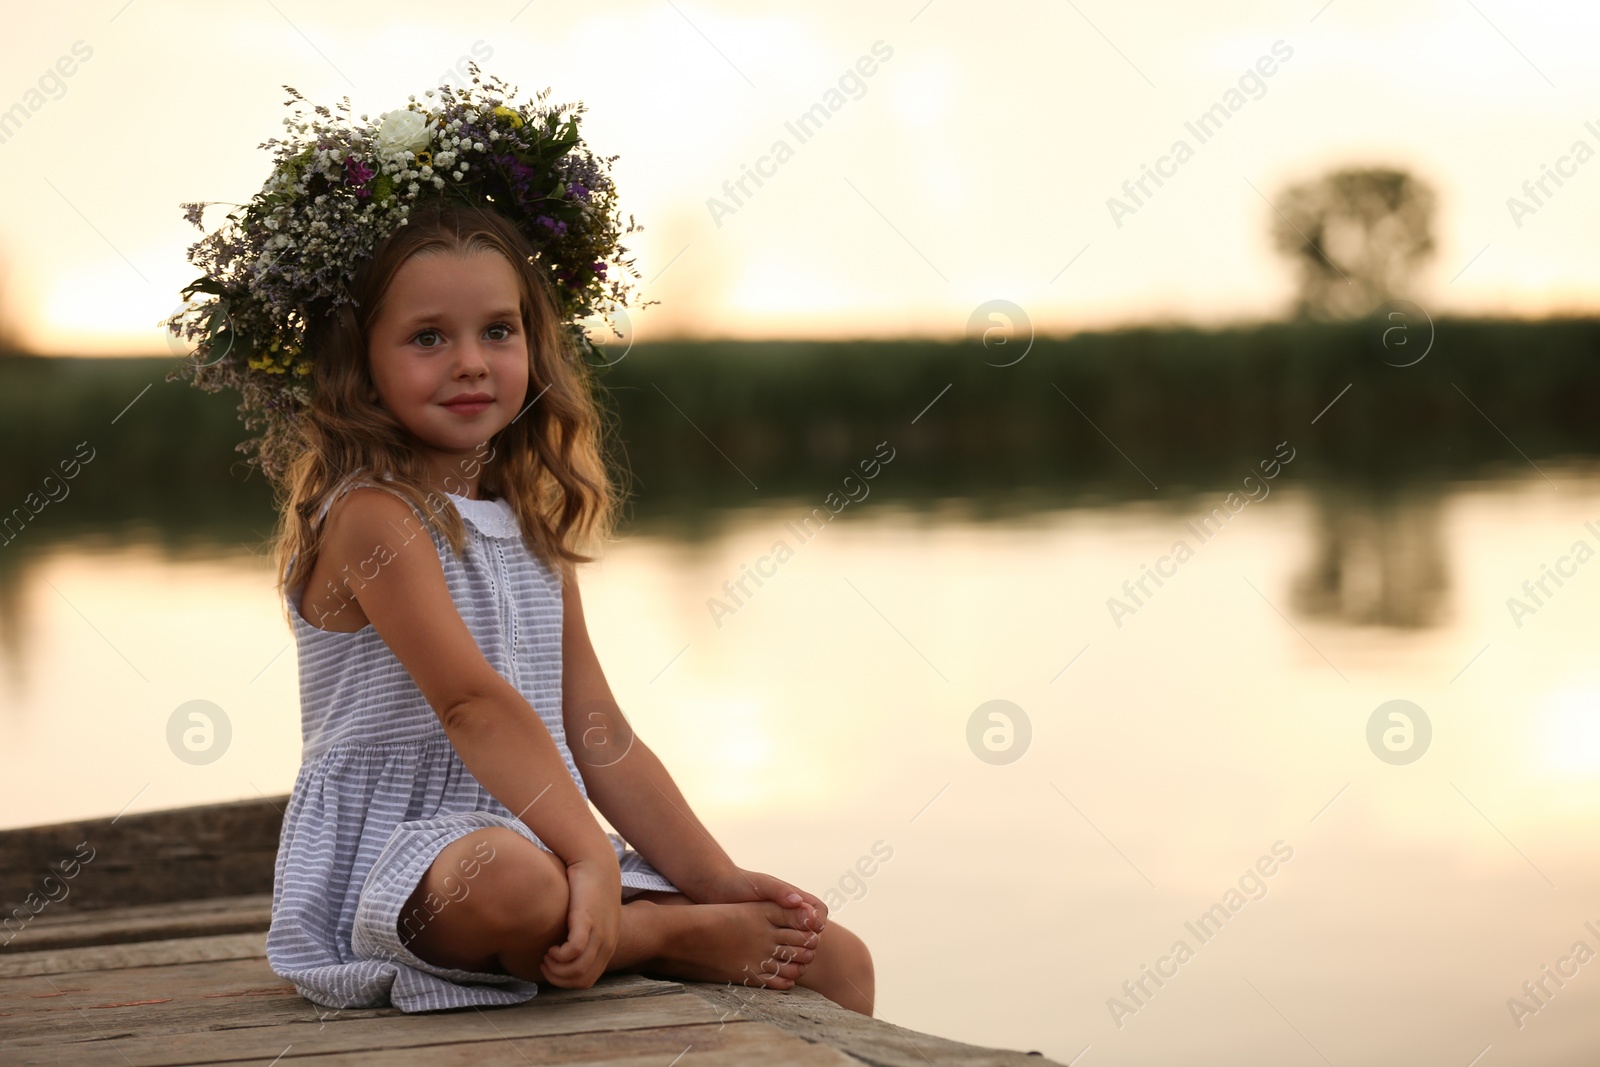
(757, 943)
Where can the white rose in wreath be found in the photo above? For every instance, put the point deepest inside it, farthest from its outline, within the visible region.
(403, 131)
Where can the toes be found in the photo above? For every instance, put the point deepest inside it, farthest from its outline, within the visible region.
(787, 971)
(794, 953)
(770, 979)
(800, 920)
(791, 962)
(803, 918)
(796, 938)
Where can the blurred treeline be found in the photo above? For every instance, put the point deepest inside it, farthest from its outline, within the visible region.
(1193, 410)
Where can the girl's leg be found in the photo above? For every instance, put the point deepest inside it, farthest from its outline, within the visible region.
(505, 915)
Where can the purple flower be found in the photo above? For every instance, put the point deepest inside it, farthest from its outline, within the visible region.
(555, 226)
(358, 174)
(518, 173)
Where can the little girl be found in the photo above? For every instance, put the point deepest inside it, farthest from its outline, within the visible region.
(395, 308)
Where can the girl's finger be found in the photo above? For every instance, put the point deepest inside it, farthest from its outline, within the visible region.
(574, 966)
(558, 975)
(817, 903)
(577, 939)
(794, 897)
(582, 927)
(570, 975)
(571, 971)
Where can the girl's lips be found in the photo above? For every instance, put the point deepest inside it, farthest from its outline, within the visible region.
(468, 408)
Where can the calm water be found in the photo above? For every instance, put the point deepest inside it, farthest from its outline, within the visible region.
(1211, 750)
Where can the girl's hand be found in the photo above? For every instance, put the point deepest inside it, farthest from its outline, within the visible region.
(594, 914)
(739, 885)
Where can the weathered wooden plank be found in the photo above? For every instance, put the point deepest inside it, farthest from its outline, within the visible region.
(212, 850)
(180, 998)
(142, 922)
(106, 972)
(182, 1030)
(136, 954)
(735, 1044)
(808, 1014)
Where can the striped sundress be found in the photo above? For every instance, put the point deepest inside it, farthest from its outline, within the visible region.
(381, 790)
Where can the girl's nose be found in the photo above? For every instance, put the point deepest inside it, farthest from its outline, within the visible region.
(470, 360)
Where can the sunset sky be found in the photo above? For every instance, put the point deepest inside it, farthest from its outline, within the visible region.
(974, 164)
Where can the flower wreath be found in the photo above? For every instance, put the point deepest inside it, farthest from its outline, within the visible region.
(338, 188)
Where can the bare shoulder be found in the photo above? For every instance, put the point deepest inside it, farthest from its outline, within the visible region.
(366, 517)
(357, 523)
(389, 567)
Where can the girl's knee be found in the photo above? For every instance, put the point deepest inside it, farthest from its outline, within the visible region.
(518, 885)
(847, 976)
(854, 956)
(484, 887)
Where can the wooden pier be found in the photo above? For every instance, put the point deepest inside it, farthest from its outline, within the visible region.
(140, 941)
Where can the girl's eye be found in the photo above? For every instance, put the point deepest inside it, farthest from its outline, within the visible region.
(426, 333)
(502, 326)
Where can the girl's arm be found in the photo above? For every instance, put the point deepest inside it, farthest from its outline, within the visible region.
(497, 733)
(633, 790)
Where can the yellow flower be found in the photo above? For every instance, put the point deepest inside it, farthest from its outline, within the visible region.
(507, 113)
(425, 159)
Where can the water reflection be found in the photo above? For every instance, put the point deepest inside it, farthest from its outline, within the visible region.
(1378, 557)
(832, 712)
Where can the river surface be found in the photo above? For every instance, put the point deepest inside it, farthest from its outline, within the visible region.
(1189, 835)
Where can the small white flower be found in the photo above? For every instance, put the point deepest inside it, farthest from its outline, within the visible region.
(456, 175)
(403, 131)
(412, 188)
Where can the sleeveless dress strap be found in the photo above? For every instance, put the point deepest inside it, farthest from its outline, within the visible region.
(351, 481)
(355, 480)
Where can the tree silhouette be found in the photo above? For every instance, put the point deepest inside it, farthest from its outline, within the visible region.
(1356, 236)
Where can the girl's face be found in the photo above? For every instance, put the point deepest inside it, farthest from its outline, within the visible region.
(449, 358)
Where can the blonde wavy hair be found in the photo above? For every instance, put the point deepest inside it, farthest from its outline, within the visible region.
(549, 465)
